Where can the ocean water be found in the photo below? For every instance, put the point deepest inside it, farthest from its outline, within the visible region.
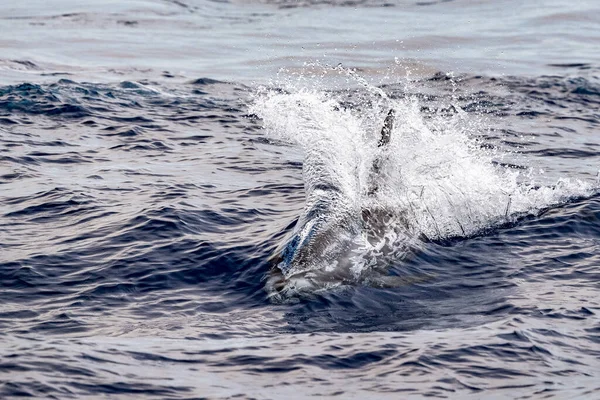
(156, 157)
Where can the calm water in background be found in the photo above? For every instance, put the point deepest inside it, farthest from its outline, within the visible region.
(140, 201)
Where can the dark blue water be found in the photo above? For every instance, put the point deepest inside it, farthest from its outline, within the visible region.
(141, 202)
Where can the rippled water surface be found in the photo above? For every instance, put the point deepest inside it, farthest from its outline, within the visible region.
(153, 163)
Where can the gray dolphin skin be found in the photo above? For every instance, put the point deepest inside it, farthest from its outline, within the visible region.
(324, 236)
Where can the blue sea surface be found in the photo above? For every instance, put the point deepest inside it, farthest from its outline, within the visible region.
(142, 200)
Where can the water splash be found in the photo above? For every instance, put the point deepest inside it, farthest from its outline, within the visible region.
(437, 180)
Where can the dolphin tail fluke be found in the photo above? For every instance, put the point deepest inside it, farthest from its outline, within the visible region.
(386, 131)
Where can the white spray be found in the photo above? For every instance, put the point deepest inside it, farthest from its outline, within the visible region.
(434, 173)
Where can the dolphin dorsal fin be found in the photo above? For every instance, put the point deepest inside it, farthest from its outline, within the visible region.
(386, 135)
(386, 131)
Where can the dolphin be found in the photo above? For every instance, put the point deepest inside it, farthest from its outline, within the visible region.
(334, 230)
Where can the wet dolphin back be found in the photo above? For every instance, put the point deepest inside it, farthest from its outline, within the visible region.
(333, 216)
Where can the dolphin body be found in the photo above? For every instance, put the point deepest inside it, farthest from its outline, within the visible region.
(326, 241)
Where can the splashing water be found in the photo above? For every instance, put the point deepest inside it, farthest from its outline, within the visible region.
(436, 180)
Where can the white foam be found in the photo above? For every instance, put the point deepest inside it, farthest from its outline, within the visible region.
(435, 171)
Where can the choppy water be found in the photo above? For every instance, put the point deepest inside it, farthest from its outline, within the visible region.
(151, 163)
